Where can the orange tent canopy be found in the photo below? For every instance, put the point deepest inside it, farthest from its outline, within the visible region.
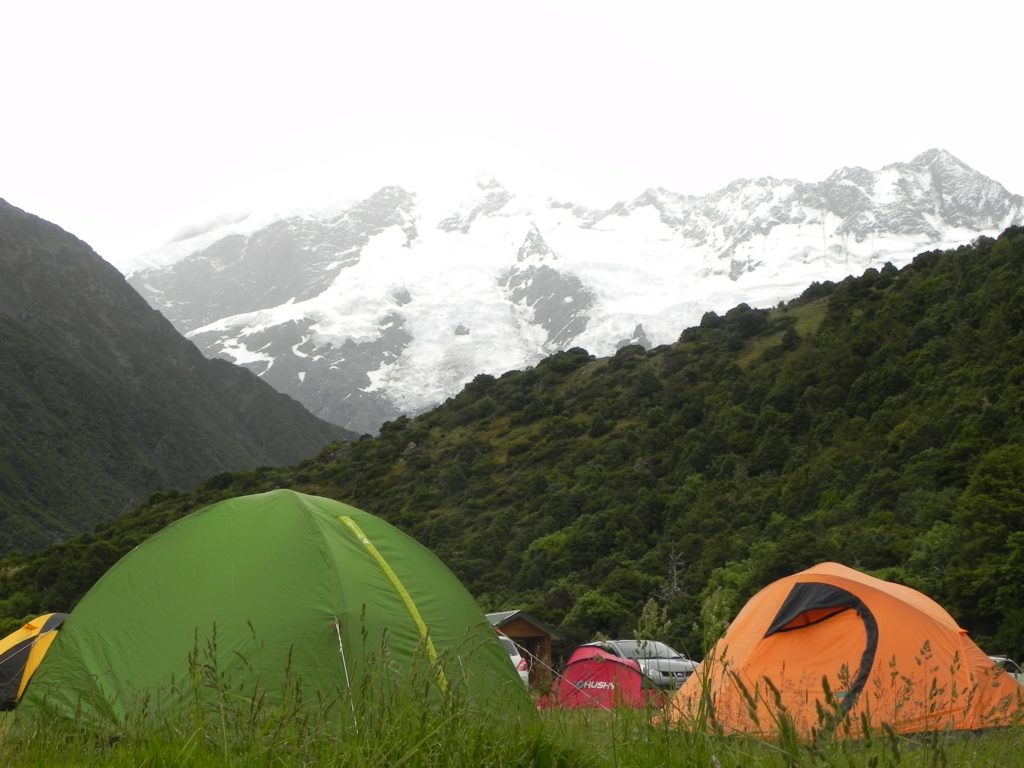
(832, 649)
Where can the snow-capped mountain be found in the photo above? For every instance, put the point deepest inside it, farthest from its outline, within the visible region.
(391, 304)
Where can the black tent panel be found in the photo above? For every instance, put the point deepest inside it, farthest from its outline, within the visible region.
(810, 603)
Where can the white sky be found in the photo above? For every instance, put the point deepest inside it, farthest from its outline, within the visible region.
(124, 121)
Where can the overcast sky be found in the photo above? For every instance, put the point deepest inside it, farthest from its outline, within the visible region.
(123, 122)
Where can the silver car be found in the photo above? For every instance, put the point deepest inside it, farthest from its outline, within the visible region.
(661, 663)
(1010, 666)
(518, 661)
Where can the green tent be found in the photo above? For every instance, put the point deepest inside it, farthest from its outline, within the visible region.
(270, 592)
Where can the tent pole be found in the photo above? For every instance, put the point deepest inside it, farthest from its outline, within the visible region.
(344, 663)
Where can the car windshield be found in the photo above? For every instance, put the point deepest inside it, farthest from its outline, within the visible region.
(1005, 662)
(510, 647)
(646, 649)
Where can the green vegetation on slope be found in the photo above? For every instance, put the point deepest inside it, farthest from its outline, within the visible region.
(101, 400)
(878, 422)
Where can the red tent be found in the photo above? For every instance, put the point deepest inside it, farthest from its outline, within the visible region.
(596, 678)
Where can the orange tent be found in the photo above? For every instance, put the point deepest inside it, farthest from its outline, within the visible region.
(831, 649)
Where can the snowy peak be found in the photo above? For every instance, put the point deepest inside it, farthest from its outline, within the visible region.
(534, 247)
(390, 304)
(557, 301)
(943, 162)
(928, 197)
(288, 260)
(494, 197)
(387, 207)
(965, 198)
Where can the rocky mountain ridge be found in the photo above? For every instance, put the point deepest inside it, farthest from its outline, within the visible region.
(384, 307)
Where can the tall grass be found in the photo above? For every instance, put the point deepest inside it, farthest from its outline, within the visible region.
(401, 720)
(394, 713)
(404, 734)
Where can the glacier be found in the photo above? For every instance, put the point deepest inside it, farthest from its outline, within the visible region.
(388, 305)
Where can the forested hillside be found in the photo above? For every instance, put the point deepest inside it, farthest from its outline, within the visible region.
(878, 422)
(101, 400)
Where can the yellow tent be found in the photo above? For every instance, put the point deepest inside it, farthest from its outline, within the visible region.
(20, 655)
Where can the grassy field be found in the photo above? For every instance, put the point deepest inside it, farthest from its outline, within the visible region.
(398, 733)
(216, 719)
